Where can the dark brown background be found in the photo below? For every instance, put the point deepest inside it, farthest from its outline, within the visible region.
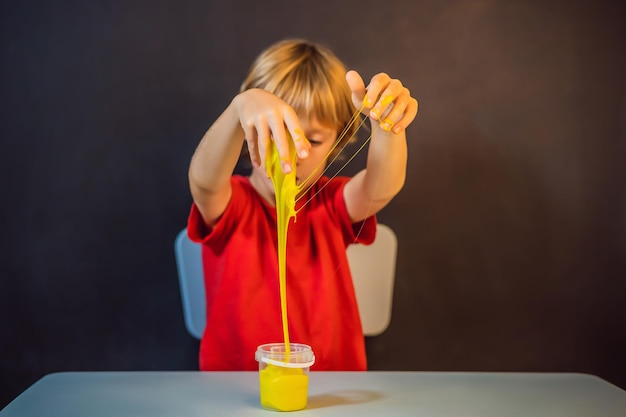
(512, 225)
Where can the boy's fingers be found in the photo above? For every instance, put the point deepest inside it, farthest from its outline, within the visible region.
(357, 86)
(391, 91)
(262, 139)
(250, 134)
(279, 136)
(409, 115)
(393, 105)
(393, 115)
(253, 151)
(300, 141)
(378, 83)
(263, 145)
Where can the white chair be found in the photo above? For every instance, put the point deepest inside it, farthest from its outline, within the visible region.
(373, 272)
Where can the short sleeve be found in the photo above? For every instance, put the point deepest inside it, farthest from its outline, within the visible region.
(197, 230)
(240, 203)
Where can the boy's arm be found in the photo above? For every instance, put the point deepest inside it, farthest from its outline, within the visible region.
(213, 163)
(257, 116)
(373, 188)
(391, 109)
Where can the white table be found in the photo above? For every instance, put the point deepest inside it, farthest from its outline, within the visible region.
(427, 394)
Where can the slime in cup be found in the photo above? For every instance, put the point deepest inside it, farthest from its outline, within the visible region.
(284, 375)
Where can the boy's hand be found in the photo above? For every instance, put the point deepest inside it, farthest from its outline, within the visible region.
(385, 99)
(264, 117)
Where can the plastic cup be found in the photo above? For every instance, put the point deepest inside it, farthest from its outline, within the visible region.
(284, 377)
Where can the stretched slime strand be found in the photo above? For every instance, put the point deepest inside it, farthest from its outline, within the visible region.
(285, 190)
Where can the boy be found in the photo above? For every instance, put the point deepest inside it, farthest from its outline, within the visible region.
(298, 91)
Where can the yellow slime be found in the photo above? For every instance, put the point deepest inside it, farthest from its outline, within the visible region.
(283, 389)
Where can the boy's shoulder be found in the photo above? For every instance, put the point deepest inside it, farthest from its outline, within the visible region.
(240, 179)
(243, 183)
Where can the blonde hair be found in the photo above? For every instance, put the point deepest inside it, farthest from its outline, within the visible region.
(311, 79)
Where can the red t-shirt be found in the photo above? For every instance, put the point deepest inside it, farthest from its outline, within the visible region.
(241, 278)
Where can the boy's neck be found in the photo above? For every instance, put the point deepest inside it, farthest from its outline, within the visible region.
(263, 185)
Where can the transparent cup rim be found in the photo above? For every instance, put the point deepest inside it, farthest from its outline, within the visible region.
(288, 364)
(296, 349)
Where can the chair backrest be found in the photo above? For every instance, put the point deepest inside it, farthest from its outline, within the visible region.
(191, 280)
(373, 270)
